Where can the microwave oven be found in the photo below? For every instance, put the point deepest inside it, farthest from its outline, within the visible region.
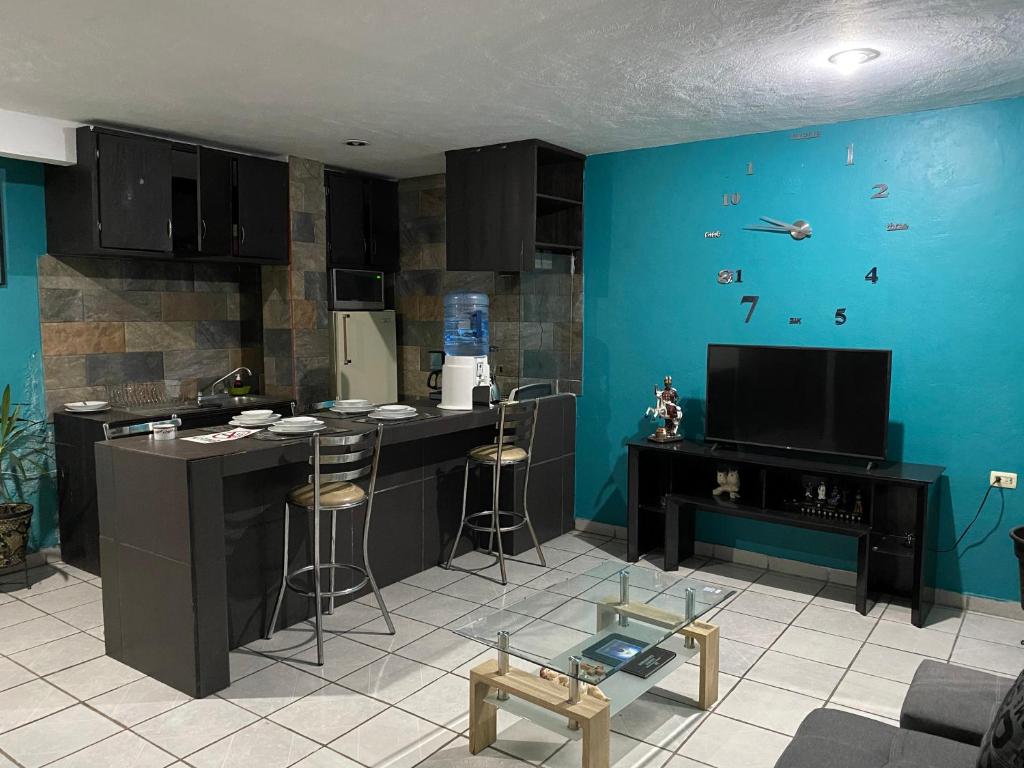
(355, 289)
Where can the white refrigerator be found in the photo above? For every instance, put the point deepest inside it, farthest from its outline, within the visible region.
(364, 356)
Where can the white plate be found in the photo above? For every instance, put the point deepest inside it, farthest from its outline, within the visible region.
(87, 405)
(395, 408)
(278, 430)
(352, 403)
(251, 424)
(392, 416)
(88, 410)
(300, 420)
(314, 423)
(270, 417)
(352, 411)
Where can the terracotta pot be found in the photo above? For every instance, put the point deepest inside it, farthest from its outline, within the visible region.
(15, 519)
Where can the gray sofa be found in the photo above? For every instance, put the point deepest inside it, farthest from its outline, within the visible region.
(945, 716)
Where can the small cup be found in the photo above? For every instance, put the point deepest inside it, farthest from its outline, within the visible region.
(165, 431)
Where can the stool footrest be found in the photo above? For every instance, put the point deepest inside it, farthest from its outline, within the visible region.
(325, 593)
(490, 528)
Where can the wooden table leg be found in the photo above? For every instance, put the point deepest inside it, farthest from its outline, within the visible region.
(483, 717)
(597, 740)
(706, 636)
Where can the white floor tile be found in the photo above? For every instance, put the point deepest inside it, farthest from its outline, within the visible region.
(391, 679)
(735, 658)
(726, 743)
(871, 694)
(576, 542)
(327, 758)
(776, 709)
(56, 736)
(72, 596)
(579, 564)
(30, 701)
(845, 599)
(442, 649)
(60, 654)
(85, 616)
(766, 606)
(15, 612)
(349, 616)
(478, 590)
(329, 712)
(861, 713)
(528, 742)
(244, 662)
(342, 656)
(271, 688)
(31, 633)
(545, 640)
(889, 663)
(43, 579)
(393, 739)
(658, 721)
(834, 622)
(442, 702)
(748, 629)
(287, 641)
(195, 725)
(434, 578)
(376, 632)
(95, 677)
(992, 629)
(730, 574)
(12, 674)
(575, 613)
(905, 637)
(395, 595)
(995, 657)
(529, 602)
(683, 685)
(811, 678)
(436, 609)
(263, 743)
(817, 646)
(786, 586)
(133, 703)
(624, 753)
(123, 750)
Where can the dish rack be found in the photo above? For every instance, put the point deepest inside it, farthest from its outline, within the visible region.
(146, 394)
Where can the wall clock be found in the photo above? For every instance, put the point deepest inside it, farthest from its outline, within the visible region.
(797, 229)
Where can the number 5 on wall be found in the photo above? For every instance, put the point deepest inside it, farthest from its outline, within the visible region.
(841, 316)
(752, 301)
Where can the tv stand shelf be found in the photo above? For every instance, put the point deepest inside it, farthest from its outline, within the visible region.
(888, 508)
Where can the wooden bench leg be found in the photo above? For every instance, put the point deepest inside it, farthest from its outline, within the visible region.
(597, 740)
(483, 718)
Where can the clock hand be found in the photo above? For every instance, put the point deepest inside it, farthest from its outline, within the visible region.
(777, 230)
(784, 225)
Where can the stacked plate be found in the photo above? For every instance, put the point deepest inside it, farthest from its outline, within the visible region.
(297, 425)
(352, 407)
(261, 418)
(393, 412)
(87, 406)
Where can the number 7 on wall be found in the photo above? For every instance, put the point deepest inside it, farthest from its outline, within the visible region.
(752, 301)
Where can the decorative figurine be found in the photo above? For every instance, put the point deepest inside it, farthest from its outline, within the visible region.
(666, 406)
(835, 496)
(822, 492)
(858, 507)
(808, 491)
(728, 482)
(586, 689)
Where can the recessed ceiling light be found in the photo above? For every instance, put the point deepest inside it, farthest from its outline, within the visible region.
(359, 142)
(852, 58)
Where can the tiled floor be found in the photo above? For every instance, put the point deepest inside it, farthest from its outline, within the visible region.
(789, 645)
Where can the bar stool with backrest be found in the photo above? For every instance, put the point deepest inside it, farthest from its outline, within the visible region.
(358, 456)
(513, 445)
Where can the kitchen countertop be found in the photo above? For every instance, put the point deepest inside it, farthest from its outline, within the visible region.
(394, 432)
(116, 416)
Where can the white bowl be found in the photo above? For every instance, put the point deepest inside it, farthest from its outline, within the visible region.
(86, 405)
(396, 408)
(350, 403)
(257, 414)
(297, 420)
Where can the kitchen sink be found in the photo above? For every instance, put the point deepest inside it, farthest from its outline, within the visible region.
(236, 401)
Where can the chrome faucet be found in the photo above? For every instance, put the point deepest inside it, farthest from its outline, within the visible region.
(213, 387)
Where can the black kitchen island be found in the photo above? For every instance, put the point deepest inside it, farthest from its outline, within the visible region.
(191, 534)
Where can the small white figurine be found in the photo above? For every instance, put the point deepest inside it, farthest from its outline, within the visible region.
(822, 491)
(728, 482)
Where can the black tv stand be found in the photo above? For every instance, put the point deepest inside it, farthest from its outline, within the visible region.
(670, 482)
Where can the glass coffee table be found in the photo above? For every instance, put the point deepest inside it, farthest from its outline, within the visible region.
(596, 638)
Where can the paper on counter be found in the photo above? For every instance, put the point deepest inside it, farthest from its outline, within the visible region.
(221, 437)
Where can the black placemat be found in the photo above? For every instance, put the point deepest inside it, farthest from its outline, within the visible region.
(411, 420)
(265, 435)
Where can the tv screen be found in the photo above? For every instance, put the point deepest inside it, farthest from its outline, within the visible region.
(799, 398)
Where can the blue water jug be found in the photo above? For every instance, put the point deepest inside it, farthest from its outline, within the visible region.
(466, 324)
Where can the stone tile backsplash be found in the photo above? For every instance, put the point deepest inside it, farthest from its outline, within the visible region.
(113, 321)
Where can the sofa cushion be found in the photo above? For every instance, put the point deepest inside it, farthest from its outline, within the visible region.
(1003, 743)
(829, 738)
(952, 701)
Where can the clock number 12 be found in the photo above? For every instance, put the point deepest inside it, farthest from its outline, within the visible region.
(872, 276)
(752, 301)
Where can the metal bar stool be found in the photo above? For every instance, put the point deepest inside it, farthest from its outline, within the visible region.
(517, 424)
(331, 492)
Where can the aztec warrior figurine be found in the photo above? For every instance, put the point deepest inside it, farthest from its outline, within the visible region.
(666, 406)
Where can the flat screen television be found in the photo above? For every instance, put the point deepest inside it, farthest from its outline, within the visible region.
(799, 398)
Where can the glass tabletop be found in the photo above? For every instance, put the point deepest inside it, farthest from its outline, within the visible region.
(604, 617)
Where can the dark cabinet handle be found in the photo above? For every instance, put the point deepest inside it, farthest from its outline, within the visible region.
(202, 222)
(170, 229)
(242, 230)
(344, 340)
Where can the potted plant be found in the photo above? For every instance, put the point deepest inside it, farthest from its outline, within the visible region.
(24, 459)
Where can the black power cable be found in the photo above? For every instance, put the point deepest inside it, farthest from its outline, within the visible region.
(971, 524)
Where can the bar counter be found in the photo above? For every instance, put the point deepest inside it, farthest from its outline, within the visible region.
(191, 534)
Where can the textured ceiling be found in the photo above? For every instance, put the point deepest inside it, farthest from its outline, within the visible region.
(416, 77)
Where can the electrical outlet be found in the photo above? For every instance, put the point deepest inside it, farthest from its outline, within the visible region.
(1003, 479)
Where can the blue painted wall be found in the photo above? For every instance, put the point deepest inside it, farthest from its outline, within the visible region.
(23, 205)
(948, 302)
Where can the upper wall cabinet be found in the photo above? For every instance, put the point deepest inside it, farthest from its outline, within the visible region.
(140, 196)
(362, 221)
(506, 202)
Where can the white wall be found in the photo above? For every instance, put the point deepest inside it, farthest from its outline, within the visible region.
(33, 137)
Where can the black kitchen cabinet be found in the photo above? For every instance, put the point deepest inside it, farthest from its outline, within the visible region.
(362, 221)
(138, 196)
(216, 201)
(507, 202)
(261, 194)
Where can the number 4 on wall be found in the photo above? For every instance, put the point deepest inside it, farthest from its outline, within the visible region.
(872, 276)
(752, 301)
